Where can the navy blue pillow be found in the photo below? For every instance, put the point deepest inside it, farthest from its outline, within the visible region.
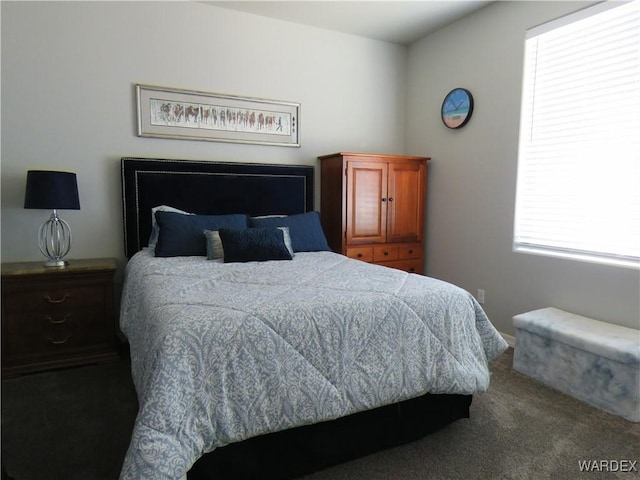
(183, 235)
(253, 245)
(305, 230)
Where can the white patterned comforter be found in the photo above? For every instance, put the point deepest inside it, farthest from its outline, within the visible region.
(223, 352)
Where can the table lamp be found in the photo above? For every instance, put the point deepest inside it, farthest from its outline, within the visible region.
(52, 190)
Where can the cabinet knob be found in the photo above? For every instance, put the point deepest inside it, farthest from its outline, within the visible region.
(391, 199)
(384, 199)
(51, 300)
(359, 255)
(386, 252)
(412, 269)
(410, 252)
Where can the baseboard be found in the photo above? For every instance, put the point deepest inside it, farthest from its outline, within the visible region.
(510, 340)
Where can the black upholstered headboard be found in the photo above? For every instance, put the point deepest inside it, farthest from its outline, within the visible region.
(205, 187)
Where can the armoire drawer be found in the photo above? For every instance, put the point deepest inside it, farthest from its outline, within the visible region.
(361, 253)
(412, 250)
(411, 266)
(385, 253)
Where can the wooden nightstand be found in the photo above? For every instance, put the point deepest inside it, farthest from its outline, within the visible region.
(57, 317)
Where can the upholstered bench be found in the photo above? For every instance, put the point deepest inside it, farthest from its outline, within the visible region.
(593, 361)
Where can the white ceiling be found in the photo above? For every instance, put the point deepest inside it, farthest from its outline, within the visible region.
(401, 22)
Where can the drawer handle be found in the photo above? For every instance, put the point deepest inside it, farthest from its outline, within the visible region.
(410, 252)
(386, 252)
(412, 269)
(51, 300)
(58, 342)
(359, 255)
(55, 322)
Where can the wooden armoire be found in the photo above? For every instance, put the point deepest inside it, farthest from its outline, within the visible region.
(373, 207)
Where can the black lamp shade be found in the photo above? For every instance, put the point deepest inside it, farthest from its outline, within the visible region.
(49, 190)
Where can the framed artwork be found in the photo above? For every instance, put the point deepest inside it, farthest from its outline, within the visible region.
(192, 115)
(457, 108)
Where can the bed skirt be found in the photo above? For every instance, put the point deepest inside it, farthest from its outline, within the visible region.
(302, 450)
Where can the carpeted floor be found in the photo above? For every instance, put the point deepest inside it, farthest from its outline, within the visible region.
(75, 424)
(71, 424)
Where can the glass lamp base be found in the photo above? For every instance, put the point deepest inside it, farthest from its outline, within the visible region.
(53, 262)
(54, 238)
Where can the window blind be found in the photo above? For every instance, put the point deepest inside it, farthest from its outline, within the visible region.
(578, 188)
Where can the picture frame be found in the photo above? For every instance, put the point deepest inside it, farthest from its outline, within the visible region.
(193, 115)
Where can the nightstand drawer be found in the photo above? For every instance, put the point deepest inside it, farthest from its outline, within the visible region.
(40, 334)
(52, 298)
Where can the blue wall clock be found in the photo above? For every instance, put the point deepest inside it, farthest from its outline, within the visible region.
(457, 108)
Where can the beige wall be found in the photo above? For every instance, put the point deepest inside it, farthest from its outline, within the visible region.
(473, 173)
(68, 98)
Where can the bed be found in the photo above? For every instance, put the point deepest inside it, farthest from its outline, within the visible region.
(273, 357)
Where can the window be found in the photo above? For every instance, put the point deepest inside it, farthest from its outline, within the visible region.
(578, 190)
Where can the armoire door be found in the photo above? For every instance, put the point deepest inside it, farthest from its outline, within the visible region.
(366, 202)
(405, 202)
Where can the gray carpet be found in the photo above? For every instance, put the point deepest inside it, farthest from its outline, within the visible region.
(75, 424)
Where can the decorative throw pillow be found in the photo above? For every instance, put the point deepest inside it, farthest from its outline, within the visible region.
(305, 230)
(155, 230)
(287, 239)
(214, 245)
(183, 235)
(253, 245)
(215, 250)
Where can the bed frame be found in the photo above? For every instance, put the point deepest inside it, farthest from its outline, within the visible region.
(212, 188)
(257, 189)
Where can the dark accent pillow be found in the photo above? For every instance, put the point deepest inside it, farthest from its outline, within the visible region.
(304, 228)
(253, 245)
(155, 230)
(183, 235)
